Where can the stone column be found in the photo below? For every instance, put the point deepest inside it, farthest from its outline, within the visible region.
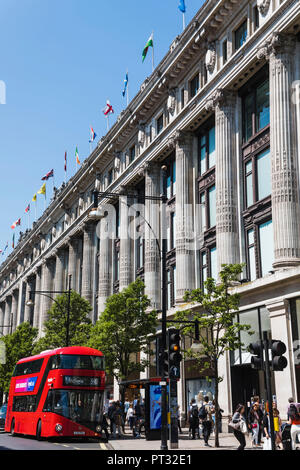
(227, 238)
(28, 309)
(14, 308)
(7, 315)
(37, 298)
(285, 386)
(105, 261)
(126, 245)
(59, 271)
(2, 313)
(152, 235)
(47, 269)
(280, 50)
(87, 262)
(185, 271)
(73, 257)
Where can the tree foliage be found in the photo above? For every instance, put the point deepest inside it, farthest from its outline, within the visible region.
(215, 310)
(18, 345)
(55, 328)
(123, 330)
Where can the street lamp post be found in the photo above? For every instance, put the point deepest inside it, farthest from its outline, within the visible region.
(30, 303)
(163, 249)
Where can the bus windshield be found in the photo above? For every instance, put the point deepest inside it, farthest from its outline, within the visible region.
(78, 405)
(75, 361)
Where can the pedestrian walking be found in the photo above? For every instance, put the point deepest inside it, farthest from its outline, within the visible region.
(194, 418)
(239, 420)
(130, 416)
(205, 416)
(178, 419)
(294, 414)
(111, 416)
(254, 424)
(277, 428)
(259, 411)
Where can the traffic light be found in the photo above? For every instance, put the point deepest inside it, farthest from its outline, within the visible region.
(279, 362)
(257, 360)
(164, 364)
(174, 353)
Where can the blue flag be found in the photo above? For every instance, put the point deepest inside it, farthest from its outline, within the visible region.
(181, 6)
(125, 84)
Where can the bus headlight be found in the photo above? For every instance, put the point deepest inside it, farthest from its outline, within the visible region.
(98, 428)
(58, 427)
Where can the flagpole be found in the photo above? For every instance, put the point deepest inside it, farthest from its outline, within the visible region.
(35, 209)
(107, 117)
(127, 88)
(152, 51)
(183, 21)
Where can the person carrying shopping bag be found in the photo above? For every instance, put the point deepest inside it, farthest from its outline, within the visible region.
(239, 426)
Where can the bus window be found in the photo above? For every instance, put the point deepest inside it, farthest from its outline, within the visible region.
(75, 361)
(30, 367)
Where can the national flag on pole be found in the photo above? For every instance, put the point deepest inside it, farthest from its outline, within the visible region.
(16, 223)
(125, 84)
(148, 44)
(181, 6)
(42, 190)
(13, 241)
(108, 109)
(27, 208)
(65, 167)
(77, 156)
(5, 248)
(93, 135)
(34, 198)
(48, 175)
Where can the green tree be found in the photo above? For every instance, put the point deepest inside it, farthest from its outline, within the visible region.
(219, 331)
(17, 345)
(123, 331)
(55, 328)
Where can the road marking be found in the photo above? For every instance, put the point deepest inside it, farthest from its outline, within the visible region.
(103, 446)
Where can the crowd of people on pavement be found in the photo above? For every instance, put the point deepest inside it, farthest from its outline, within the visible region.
(116, 416)
(202, 419)
(257, 425)
(253, 421)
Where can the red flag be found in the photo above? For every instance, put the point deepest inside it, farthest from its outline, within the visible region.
(16, 223)
(27, 208)
(65, 161)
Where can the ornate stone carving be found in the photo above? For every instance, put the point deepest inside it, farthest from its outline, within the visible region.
(275, 43)
(171, 103)
(263, 6)
(210, 57)
(141, 134)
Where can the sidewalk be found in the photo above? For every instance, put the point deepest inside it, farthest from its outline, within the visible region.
(227, 442)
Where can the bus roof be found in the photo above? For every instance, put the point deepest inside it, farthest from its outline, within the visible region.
(68, 350)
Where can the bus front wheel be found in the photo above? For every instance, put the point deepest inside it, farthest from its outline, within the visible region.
(39, 431)
(12, 428)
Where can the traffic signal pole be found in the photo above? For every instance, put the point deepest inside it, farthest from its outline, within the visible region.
(163, 384)
(269, 390)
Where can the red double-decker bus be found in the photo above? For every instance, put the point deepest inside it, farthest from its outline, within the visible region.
(57, 393)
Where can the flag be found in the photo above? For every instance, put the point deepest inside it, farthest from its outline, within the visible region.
(34, 198)
(108, 109)
(16, 223)
(65, 167)
(125, 84)
(93, 135)
(181, 6)
(5, 248)
(42, 190)
(13, 241)
(27, 208)
(77, 156)
(48, 175)
(149, 44)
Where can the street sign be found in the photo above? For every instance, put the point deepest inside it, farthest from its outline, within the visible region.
(174, 372)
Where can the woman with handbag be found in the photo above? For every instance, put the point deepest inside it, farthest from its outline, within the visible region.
(239, 426)
(254, 423)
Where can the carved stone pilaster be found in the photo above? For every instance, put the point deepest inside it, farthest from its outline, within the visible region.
(87, 262)
(185, 275)
(105, 264)
(227, 240)
(280, 49)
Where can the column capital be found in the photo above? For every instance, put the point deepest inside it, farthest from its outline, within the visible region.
(276, 43)
(180, 138)
(148, 167)
(220, 98)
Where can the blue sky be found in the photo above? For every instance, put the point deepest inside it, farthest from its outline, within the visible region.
(60, 61)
